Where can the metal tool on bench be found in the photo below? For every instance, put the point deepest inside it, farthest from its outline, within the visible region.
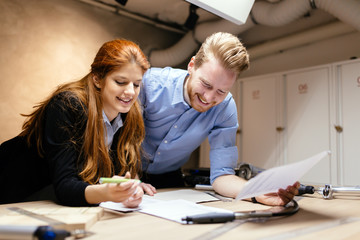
(328, 191)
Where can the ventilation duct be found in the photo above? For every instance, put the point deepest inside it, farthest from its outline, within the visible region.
(265, 13)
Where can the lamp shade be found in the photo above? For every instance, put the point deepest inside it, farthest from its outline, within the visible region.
(236, 11)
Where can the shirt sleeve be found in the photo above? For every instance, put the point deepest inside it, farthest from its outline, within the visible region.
(64, 125)
(222, 140)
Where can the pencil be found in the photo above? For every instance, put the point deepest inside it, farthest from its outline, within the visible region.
(116, 180)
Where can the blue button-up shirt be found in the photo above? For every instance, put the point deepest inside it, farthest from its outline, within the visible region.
(174, 129)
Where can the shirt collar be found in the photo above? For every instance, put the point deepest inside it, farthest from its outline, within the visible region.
(186, 94)
(179, 93)
(117, 123)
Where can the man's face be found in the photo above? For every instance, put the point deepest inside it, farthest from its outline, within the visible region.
(209, 84)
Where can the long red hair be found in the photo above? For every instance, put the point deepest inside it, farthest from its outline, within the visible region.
(96, 160)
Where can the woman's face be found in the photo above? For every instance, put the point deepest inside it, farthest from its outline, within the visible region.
(120, 89)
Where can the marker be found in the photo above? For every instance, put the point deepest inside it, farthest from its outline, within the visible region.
(116, 180)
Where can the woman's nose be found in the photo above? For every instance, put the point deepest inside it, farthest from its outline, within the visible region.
(129, 89)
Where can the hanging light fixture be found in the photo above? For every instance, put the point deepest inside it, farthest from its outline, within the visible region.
(236, 11)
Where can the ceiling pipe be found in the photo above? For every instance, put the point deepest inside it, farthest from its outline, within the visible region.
(281, 13)
(300, 39)
(346, 11)
(170, 56)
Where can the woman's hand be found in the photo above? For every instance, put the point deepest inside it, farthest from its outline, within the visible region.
(135, 199)
(148, 188)
(129, 193)
(282, 197)
(120, 192)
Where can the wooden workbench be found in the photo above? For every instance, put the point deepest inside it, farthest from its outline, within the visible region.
(36, 214)
(317, 218)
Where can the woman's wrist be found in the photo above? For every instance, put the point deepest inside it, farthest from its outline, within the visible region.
(94, 194)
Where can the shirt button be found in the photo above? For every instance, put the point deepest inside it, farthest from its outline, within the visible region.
(165, 141)
(158, 153)
(175, 126)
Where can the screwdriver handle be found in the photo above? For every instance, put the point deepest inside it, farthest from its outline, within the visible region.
(303, 189)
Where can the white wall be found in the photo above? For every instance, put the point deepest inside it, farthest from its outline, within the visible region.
(44, 43)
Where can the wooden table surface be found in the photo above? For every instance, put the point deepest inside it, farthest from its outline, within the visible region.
(317, 218)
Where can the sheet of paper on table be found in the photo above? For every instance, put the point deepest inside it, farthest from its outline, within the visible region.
(119, 207)
(273, 179)
(185, 194)
(173, 210)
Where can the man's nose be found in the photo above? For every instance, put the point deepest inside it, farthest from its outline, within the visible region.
(210, 96)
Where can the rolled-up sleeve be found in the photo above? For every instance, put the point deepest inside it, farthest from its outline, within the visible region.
(222, 139)
(225, 163)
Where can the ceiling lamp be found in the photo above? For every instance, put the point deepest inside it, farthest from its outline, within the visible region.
(235, 11)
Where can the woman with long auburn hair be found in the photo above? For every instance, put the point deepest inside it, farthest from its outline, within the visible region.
(84, 130)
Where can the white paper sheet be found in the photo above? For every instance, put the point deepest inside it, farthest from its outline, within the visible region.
(185, 194)
(175, 210)
(273, 179)
(115, 206)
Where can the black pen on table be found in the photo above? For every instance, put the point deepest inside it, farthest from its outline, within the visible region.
(217, 217)
(220, 217)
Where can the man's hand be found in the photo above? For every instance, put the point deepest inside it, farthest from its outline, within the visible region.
(231, 185)
(282, 197)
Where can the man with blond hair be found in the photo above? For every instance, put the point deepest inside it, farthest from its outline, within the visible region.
(182, 108)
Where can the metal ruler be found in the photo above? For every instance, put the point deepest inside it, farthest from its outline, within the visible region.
(52, 222)
(77, 233)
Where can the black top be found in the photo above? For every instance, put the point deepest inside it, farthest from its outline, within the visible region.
(23, 171)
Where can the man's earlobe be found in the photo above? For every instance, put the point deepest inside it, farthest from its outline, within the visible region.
(191, 64)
